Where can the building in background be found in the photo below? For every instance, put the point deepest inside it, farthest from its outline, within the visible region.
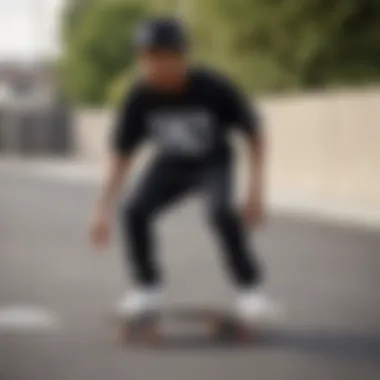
(33, 118)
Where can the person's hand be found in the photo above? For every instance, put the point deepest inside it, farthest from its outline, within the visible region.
(100, 229)
(254, 211)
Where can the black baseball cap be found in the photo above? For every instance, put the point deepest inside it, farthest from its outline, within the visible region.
(162, 34)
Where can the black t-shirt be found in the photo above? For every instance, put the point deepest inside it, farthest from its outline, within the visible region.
(191, 124)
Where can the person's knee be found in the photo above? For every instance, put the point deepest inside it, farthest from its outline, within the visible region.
(221, 215)
(134, 213)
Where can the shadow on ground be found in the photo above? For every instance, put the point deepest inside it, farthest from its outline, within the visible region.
(324, 343)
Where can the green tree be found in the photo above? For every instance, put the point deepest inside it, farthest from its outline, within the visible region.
(285, 44)
(266, 45)
(99, 46)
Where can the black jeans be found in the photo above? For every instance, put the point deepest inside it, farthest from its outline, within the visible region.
(164, 183)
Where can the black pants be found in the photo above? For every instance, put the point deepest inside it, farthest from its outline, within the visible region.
(164, 183)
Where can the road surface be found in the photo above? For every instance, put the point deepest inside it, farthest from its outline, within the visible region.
(326, 276)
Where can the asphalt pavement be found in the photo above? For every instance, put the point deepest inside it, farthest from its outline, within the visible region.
(326, 276)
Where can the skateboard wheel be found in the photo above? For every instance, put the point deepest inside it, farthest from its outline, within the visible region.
(125, 334)
(144, 333)
(244, 334)
(151, 335)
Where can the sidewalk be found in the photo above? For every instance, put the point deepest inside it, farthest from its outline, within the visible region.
(76, 171)
(55, 169)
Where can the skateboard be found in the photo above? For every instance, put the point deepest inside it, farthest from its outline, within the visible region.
(220, 325)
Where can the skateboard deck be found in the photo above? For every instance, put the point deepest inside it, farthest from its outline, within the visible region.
(212, 323)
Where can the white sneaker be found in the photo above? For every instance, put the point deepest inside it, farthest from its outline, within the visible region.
(253, 305)
(139, 302)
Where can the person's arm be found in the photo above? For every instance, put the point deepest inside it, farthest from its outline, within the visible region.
(115, 175)
(242, 113)
(105, 206)
(126, 136)
(254, 210)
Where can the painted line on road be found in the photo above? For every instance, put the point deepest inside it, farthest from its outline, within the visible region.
(22, 318)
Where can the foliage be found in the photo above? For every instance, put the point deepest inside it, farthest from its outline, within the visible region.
(99, 45)
(285, 44)
(267, 45)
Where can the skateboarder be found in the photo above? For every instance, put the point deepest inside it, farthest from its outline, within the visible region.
(188, 112)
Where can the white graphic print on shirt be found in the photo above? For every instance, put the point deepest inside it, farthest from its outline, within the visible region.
(188, 133)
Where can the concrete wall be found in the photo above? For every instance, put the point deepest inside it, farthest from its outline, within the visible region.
(91, 133)
(322, 147)
(326, 147)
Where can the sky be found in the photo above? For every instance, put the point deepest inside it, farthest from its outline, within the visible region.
(29, 29)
